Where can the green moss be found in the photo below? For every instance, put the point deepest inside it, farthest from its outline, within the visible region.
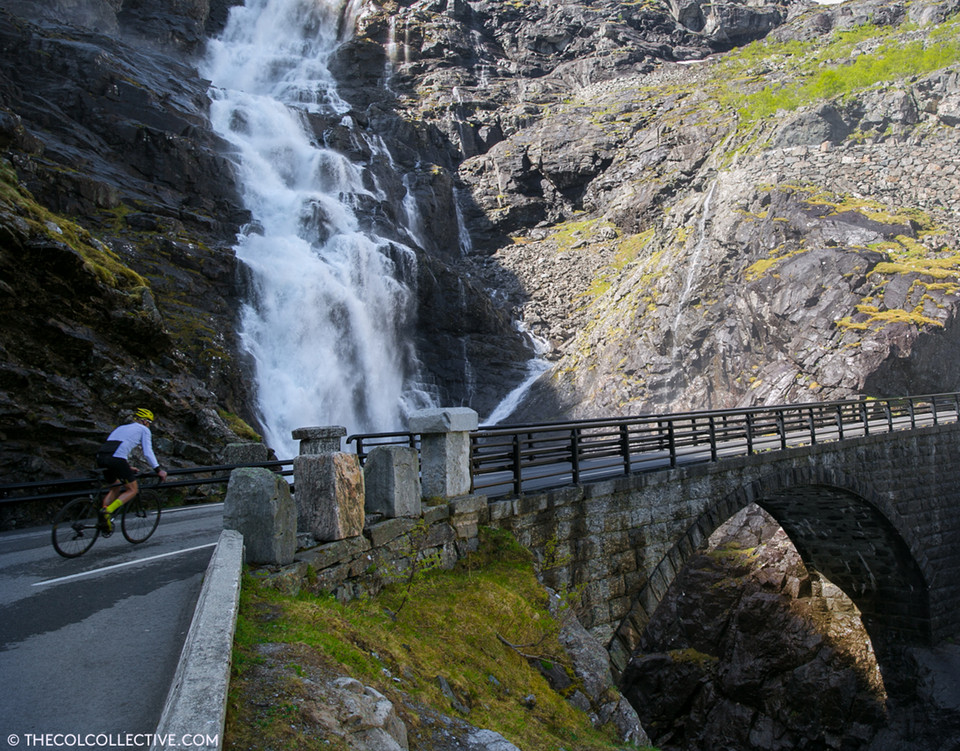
(239, 426)
(98, 258)
(877, 318)
(762, 267)
(755, 82)
(586, 231)
(491, 596)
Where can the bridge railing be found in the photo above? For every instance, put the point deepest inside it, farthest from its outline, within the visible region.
(505, 460)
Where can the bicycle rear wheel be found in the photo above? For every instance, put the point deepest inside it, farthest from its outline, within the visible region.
(75, 527)
(141, 516)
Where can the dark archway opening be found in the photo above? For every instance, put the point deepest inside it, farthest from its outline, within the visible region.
(751, 650)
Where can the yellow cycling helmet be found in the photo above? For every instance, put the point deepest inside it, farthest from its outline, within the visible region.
(143, 414)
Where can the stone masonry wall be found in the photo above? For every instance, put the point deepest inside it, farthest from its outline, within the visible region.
(621, 542)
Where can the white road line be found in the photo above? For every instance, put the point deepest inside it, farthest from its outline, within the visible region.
(122, 565)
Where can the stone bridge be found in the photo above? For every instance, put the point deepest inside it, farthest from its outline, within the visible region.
(878, 515)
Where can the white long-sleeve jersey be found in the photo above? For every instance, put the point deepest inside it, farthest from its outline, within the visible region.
(131, 435)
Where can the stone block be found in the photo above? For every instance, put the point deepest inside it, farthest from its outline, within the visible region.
(500, 510)
(469, 504)
(329, 495)
(385, 531)
(448, 420)
(433, 514)
(258, 504)
(317, 441)
(392, 481)
(332, 553)
(444, 450)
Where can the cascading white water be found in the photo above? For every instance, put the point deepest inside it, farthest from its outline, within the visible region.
(706, 215)
(325, 325)
(536, 366)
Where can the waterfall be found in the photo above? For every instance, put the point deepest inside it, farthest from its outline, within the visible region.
(706, 214)
(536, 367)
(331, 304)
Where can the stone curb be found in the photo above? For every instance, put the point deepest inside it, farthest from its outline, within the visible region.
(196, 704)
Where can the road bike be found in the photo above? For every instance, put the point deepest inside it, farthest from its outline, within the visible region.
(78, 524)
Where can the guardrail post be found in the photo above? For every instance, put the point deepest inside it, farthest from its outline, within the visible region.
(329, 488)
(782, 429)
(444, 450)
(391, 477)
(258, 505)
(517, 458)
(575, 455)
(749, 424)
(888, 411)
(812, 424)
(244, 453)
(864, 418)
(713, 439)
(840, 422)
(625, 447)
(672, 443)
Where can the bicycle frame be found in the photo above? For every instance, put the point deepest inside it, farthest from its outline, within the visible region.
(79, 523)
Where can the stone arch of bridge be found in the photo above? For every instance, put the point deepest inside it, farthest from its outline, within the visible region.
(841, 529)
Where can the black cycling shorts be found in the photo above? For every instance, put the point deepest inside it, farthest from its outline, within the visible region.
(116, 468)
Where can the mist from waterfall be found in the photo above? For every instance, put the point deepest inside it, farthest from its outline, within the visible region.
(330, 309)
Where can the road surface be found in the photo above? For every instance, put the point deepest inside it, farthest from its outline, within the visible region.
(90, 645)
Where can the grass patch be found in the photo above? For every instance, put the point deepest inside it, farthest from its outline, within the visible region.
(768, 76)
(454, 625)
(239, 426)
(575, 234)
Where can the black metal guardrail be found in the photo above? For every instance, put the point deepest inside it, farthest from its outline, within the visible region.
(50, 490)
(505, 460)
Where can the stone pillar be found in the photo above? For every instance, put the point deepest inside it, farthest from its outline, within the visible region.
(391, 476)
(328, 485)
(258, 505)
(444, 449)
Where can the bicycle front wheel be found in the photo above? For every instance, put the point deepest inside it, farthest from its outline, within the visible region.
(141, 516)
(75, 527)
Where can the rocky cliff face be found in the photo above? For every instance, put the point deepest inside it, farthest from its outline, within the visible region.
(676, 251)
(118, 278)
(750, 651)
(627, 196)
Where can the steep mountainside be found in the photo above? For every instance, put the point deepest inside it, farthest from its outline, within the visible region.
(683, 220)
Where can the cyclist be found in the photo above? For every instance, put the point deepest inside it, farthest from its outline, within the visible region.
(112, 456)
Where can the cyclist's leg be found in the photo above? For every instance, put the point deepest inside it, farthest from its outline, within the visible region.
(118, 471)
(130, 490)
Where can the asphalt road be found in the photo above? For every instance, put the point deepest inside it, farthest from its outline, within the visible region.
(90, 645)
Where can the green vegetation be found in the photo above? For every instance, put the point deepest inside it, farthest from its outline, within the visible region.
(574, 234)
(97, 257)
(482, 626)
(239, 426)
(804, 73)
(762, 267)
